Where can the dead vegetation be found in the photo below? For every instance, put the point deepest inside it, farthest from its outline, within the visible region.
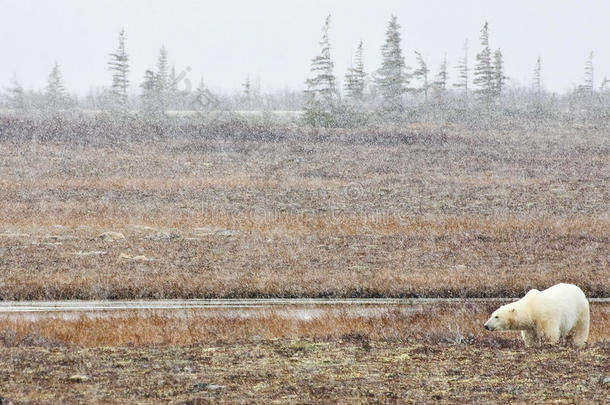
(343, 213)
(439, 214)
(350, 370)
(458, 323)
(417, 354)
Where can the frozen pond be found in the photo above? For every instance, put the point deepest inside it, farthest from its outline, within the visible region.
(304, 309)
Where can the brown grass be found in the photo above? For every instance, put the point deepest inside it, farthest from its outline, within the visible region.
(430, 354)
(476, 215)
(430, 323)
(351, 370)
(298, 256)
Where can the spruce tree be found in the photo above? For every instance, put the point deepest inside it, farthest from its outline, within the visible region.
(16, 95)
(355, 77)
(421, 73)
(151, 104)
(321, 89)
(119, 66)
(247, 86)
(440, 83)
(587, 88)
(604, 84)
(162, 80)
(537, 78)
(321, 86)
(484, 71)
(463, 69)
(55, 94)
(499, 77)
(392, 78)
(199, 99)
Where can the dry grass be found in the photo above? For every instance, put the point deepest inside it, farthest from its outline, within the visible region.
(308, 256)
(465, 215)
(448, 367)
(452, 215)
(430, 323)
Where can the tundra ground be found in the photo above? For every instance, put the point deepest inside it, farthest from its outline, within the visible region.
(420, 354)
(431, 213)
(440, 212)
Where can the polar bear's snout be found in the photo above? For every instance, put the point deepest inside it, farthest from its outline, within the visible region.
(489, 325)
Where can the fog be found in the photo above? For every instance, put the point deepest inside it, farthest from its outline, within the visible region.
(273, 41)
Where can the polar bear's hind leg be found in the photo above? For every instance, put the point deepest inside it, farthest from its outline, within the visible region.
(580, 333)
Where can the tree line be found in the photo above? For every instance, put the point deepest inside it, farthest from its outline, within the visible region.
(393, 90)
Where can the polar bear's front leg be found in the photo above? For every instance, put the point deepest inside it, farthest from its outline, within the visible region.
(530, 337)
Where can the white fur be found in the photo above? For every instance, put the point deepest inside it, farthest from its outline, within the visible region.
(560, 312)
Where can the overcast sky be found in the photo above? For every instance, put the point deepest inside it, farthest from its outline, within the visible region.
(225, 41)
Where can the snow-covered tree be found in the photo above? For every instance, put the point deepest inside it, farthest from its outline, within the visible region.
(537, 77)
(499, 77)
(439, 85)
(604, 84)
(484, 70)
(162, 79)
(247, 89)
(16, 95)
(55, 94)
(421, 74)
(157, 86)
(462, 69)
(321, 86)
(355, 76)
(119, 66)
(172, 88)
(392, 78)
(151, 103)
(321, 90)
(587, 88)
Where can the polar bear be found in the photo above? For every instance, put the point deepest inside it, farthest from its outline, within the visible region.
(560, 312)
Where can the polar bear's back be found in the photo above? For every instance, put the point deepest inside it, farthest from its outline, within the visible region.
(564, 292)
(566, 300)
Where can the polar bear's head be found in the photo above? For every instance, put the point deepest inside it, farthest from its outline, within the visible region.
(503, 318)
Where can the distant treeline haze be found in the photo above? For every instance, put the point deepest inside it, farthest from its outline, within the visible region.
(403, 88)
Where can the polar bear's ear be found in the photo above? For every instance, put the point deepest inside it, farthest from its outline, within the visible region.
(532, 292)
(512, 310)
